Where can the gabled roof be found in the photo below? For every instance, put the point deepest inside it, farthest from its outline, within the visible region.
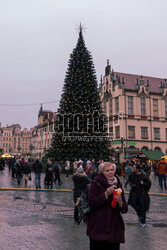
(130, 81)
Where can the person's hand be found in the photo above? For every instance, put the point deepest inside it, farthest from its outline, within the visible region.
(119, 199)
(109, 191)
(141, 182)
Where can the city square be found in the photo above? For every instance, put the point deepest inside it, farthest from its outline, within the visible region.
(83, 125)
(43, 219)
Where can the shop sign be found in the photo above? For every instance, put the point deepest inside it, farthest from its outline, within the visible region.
(131, 143)
(115, 142)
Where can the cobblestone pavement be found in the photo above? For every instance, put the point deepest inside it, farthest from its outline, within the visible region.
(44, 220)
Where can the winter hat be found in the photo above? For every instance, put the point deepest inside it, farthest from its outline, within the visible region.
(80, 170)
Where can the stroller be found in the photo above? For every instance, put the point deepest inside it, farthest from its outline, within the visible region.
(48, 180)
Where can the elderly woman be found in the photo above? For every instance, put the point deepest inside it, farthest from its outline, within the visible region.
(105, 226)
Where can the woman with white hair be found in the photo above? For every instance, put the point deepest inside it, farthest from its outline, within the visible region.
(105, 226)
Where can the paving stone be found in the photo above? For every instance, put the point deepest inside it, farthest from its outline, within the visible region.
(44, 220)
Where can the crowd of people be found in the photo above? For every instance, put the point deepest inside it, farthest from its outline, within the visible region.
(100, 183)
(20, 169)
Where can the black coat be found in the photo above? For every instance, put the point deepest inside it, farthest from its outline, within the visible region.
(140, 190)
(26, 168)
(81, 182)
(37, 166)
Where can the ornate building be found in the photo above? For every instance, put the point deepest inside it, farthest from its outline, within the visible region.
(42, 134)
(136, 107)
(14, 141)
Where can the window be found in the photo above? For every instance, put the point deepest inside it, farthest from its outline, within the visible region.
(116, 105)
(111, 131)
(131, 131)
(130, 105)
(155, 107)
(143, 105)
(166, 106)
(157, 133)
(144, 132)
(117, 132)
(110, 106)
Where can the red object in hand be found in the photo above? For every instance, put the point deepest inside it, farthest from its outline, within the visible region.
(114, 200)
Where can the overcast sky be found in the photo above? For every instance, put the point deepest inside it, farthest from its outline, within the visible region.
(38, 36)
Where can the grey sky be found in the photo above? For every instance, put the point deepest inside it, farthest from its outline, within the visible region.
(37, 37)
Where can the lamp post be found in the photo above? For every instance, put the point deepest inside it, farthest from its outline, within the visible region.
(122, 146)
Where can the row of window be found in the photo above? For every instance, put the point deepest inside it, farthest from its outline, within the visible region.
(23, 139)
(9, 144)
(131, 106)
(144, 132)
(47, 129)
(6, 145)
(7, 134)
(6, 138)
(26, 139)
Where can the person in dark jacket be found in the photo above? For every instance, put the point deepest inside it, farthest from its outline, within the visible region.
(81, 182)
(37, 166)
(105, 226)
(139, 198)
(48, 180)
(26, 171)
(19, 170)
(56, 169)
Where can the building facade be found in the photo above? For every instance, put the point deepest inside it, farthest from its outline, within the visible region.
(42, 134)
(14, 141)
(136, 107)
(34, 142)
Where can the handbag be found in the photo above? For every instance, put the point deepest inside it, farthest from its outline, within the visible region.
(29, 177)
(82, 209)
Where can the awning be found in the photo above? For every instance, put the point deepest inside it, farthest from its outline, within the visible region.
(153, 155)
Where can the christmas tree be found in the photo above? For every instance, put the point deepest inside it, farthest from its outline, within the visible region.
(80, 130)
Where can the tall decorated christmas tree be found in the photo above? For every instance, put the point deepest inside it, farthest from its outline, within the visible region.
(80, 129)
